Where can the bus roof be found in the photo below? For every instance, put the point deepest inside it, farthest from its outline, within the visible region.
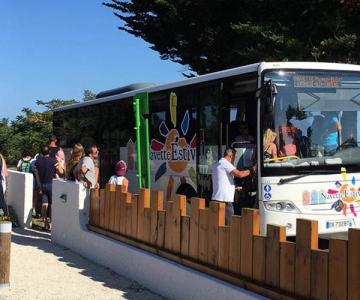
(257, 67)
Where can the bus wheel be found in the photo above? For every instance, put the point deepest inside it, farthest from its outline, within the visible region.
(186, 190)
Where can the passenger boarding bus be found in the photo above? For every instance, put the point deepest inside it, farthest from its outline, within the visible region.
(311, 109)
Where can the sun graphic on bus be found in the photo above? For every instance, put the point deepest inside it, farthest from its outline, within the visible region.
(175, 152)
(348, 194)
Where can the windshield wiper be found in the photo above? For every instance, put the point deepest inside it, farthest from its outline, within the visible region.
(287, 180)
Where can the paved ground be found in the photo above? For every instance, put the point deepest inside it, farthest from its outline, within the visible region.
(43, 270)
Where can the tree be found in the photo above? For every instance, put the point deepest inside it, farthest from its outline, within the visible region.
(29, 130)
(219, 34)
(89, 95)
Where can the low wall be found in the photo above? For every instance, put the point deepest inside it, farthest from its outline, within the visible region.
(20, 196)
(70, 217)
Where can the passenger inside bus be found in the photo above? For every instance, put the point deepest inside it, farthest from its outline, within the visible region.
(243, 135)
(270, 148)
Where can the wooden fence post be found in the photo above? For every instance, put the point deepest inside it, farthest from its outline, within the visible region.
(112, 209)
(354, 264)
(259, 258)
(128, 214)
(157, 203)
(338, 256)
(160, 241)
(203, 234)
(275, 234)
(235, 244)
(224, 247)
(178, 211)
(306, 239)
(5, 249)
(287, 266)
(134, 215)
(143, 202)
(109, 188)
(216, 219)
(118, 196)
(185, 235)
(94, 207)
(195, 206)
(250, 226)
(102, 208)
(319, 274)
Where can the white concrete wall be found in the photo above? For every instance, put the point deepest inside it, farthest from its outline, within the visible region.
(70, 214)
(20, 196)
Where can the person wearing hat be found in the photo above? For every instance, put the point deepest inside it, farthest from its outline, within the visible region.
(119, 177)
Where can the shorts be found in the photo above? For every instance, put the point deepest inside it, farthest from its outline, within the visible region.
(46, 197)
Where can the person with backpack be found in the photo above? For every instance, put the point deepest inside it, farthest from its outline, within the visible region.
(26, 162)
(3, 176)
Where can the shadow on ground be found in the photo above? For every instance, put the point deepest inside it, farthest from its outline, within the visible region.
(42, 240)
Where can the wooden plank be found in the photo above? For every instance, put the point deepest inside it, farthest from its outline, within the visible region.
(287, 266)
(250, 226)
(185, 232)
(216, 219)
(97, 208)
(338, 252)
(102, 208)
(354, 264)
(275, 234)
(168, 225)
(235, 244)
(118, 195)
(128, 214)
(112, 204)
(147, 224)
(109, 188)
(94, 207)
(161, 229)
(126, 217)
(319, 274)
(259, 258)
(134, 215)
(178, 211)
(306, 240)
(124, 199)
(143, 202)
(203, 234)
(195, 206)
(224, 247)
(157, 203)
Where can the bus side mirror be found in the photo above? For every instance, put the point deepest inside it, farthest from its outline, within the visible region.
(268, 95)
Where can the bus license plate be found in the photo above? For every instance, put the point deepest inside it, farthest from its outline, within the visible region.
(339, 223)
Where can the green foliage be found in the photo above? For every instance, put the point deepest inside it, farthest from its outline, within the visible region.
(219, 34)
(89, 95)
(28, 131)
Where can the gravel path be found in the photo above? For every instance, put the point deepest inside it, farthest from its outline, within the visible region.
(43, 270)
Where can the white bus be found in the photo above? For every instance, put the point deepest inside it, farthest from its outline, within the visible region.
(314, 109)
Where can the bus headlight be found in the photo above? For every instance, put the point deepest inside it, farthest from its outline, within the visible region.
(281, 206)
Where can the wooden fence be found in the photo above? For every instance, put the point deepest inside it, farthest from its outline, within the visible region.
(268, 265)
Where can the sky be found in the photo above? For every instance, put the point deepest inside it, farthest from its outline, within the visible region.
(57, 49)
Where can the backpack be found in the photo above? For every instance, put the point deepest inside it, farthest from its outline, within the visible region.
(25, 166)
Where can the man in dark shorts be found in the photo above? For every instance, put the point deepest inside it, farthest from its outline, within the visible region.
(46, 169)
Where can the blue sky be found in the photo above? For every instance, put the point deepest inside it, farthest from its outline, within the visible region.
(56, 49)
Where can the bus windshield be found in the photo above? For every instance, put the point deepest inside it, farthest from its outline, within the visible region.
(314, 123)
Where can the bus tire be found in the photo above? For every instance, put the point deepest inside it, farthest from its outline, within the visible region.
(186, 190)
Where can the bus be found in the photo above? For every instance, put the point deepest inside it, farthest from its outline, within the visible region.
(312, 109)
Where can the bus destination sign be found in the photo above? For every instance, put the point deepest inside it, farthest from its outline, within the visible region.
(312, 81)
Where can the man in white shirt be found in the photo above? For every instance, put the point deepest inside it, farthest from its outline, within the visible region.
(223, 173)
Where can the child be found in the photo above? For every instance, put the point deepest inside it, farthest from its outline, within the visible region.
(119, 177)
